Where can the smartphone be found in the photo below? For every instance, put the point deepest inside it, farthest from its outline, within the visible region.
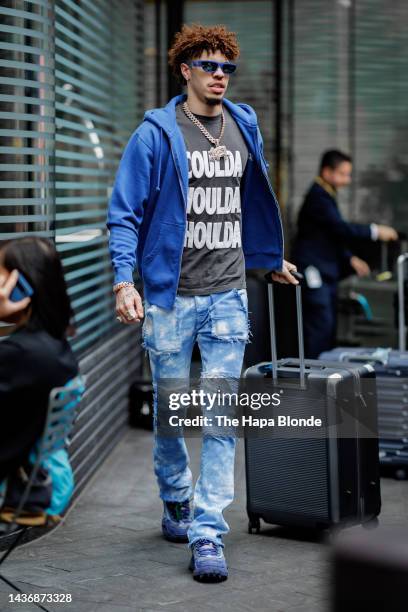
(22, 289)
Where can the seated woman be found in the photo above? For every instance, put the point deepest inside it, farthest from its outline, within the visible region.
(36, 356)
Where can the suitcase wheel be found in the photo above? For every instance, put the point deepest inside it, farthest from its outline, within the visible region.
(371, 524)
(254, 523)
(401, 474)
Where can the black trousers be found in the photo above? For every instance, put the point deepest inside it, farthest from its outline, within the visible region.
(319, 319)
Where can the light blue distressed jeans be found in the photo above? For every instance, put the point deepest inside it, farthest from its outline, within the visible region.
(219, 324)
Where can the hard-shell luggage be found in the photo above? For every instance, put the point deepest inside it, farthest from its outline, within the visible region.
(391, 368)
(323, 481)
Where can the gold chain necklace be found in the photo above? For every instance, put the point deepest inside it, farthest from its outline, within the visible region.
(215, 153)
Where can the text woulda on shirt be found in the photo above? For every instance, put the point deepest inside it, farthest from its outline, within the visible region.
(213, 201)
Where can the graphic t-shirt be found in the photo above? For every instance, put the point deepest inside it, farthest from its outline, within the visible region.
(213, 259)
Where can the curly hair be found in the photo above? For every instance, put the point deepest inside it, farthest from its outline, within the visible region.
(192, 40)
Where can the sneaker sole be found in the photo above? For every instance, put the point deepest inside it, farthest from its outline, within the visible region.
(207, 577)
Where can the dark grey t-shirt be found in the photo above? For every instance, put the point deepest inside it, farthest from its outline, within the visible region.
(213, 260)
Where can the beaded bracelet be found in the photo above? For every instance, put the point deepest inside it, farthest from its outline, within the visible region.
(121, 285)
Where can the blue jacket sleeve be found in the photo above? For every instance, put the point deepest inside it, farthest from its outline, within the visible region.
(125, 214)
(328, 217)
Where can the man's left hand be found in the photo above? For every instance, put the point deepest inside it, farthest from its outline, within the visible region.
(284, 276)
(360, 267)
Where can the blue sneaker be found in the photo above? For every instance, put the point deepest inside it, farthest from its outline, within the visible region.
(208, 563)
(176, 520)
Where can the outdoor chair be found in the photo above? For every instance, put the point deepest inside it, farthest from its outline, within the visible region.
(62, 411)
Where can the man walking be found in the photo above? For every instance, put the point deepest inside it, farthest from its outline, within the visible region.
(191, 207)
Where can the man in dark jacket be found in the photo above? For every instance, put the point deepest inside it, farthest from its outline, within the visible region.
(322, 252)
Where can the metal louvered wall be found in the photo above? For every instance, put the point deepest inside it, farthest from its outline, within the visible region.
(103, 417)
(71, 95)
(27, 119)
(98, 102)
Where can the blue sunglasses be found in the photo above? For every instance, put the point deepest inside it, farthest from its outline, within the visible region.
(212, 66)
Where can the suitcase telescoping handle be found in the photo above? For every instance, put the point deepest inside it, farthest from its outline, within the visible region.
(402, 239)
(274, 354)
(402, 330)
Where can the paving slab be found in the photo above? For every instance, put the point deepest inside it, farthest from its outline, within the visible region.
(109, 553)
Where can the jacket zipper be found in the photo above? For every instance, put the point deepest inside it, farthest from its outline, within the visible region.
(179, 177)
(185, 210)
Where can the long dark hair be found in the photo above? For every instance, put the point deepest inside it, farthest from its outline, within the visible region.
(37, 259)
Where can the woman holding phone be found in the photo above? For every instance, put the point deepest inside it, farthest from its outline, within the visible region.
(8, 306)
(36, 356)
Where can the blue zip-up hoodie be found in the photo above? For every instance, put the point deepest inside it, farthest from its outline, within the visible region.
(147, 211)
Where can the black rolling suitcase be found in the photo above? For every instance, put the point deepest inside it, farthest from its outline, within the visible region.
(319, 482)
(391, 368)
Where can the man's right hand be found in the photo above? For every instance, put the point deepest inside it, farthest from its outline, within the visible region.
(386, 233)
(129, 308)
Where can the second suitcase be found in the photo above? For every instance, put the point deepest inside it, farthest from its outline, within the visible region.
(391, 368)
